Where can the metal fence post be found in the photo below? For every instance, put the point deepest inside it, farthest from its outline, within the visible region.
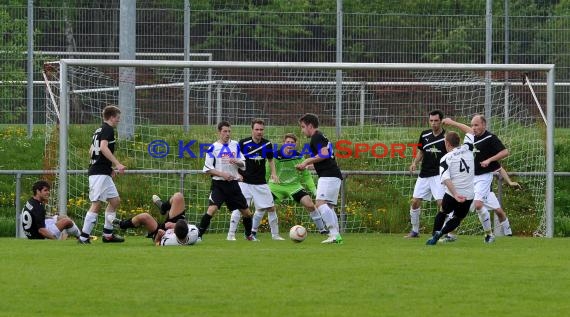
(18, 205)
(342, 222)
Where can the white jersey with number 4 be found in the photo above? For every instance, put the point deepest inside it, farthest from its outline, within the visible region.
(169, 238)
(459, 167)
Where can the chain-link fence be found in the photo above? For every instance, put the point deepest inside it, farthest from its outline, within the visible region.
(276, 31)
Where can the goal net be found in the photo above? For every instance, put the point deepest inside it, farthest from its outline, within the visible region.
(382, 110)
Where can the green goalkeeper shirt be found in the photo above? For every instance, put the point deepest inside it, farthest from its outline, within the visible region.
(288, 174)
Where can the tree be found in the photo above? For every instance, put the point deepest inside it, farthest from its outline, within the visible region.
(13, 67)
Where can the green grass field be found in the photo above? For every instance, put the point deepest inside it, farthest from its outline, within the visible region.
(369, 275)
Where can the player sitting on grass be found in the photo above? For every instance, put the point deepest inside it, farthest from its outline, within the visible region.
(34, 221)
(174, 231)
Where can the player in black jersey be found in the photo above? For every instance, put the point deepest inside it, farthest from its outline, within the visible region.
(101, 173)
(330, 177)
(428, 183)
(488, 151)
(257, 150)
(34, 221)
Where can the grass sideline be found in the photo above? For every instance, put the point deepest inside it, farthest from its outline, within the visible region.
(369, 275)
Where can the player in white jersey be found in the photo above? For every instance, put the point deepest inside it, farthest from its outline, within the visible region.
(457, 170)
(183, 233)
(488, 151)
(223, 159)
(491, 203)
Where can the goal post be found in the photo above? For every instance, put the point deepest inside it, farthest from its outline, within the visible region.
(357, 106)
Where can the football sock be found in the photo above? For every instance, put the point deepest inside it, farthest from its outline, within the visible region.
(152, 234)
(273, 222)
(317, 219)
(247, 223)
(507, 227)
(126, 224)
(257, 217)
(485, 219)
(449, 216)
(438, 222)
(451, 225)
(165, 207)
(204, 224)
(108, 227)
(74, 231)
(234, 221)
(88, 224)
(415, 219)
(330, 219)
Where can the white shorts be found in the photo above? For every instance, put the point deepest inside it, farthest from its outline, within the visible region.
(482, 186)
(328, 189)
(491, 203)
(428, 187)
(50, 225)
(102, 188)
(260, 195)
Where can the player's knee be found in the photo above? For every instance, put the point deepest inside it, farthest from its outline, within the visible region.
(66, 222)
(264, 210)
(115, 202)
(177, 196)
(246, 213)
(478, 204)
(319, 203)
(416, 203)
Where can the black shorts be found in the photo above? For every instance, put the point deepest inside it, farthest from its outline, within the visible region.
(229, 193)
(299, 194)
(162, 225)
(449, 204)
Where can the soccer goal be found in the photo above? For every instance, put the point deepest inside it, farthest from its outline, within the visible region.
(373, 113)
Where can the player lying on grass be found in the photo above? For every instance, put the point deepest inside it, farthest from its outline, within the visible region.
(291, 183)
(34, 221)
(175, 230)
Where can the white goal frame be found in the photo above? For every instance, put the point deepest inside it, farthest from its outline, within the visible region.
(550, 100)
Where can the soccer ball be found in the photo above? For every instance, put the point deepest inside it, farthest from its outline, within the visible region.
(298, 233)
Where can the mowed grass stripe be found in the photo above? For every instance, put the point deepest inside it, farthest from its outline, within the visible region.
(369, 275)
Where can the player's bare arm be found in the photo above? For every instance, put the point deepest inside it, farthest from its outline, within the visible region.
(497, 157)
(323, 154)
(451, 187)
(224, 175)
(104, 147)
(463, 127)
(158, 236)
(237, 162)
(505, 176)
(416, 161)
(273, 169)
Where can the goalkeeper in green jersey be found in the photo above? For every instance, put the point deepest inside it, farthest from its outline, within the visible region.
(291, 183)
